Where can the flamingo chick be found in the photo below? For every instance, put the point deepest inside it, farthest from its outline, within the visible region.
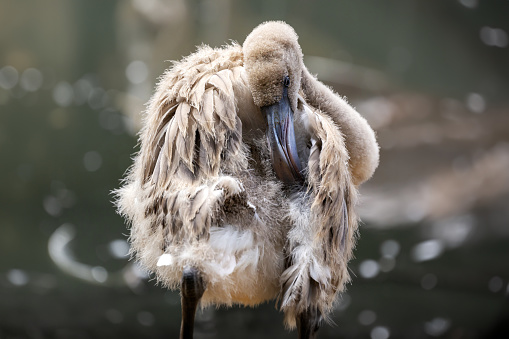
(244, 188)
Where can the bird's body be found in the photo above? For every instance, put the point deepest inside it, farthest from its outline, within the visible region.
(258, 213)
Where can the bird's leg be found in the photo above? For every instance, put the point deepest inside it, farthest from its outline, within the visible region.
(308, 323)
(192, 289)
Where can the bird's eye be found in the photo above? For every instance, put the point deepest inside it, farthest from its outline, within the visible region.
(286, 81)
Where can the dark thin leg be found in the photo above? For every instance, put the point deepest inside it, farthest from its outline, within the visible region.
(308, 323)
(192, 289)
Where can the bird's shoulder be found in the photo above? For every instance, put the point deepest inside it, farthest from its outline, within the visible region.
(185, 79)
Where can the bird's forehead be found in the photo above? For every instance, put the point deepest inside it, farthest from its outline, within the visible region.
(265, 54)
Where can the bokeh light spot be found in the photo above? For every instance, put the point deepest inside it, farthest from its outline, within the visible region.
(97, 98)
(390, 248)
(146, 318)
(31, 80)
(369, 269)
(469, 3)
(495, 284)
(100, 274)
(437, 326)
(63, 94)
(17, 277)
(52, 206)
(8, 77)
(118, 248)
(429, 281)
(475, 102)
(92, 161)
(367, 317)
(387, 264)
(495, 37)
(137, 72)
(380, 332)
(427, 250)
(82, 89)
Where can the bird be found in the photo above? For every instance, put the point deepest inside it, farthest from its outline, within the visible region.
(244, 187)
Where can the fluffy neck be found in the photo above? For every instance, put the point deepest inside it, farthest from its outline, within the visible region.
(359, 137)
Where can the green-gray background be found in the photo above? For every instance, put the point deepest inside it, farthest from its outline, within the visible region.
(432, 77)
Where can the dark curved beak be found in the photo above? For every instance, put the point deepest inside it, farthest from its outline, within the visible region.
(281, 138)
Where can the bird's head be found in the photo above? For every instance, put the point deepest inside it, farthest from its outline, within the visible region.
(273, 64)
(273, 61)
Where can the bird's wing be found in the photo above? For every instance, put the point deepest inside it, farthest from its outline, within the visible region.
(334, 194)
(192, 135)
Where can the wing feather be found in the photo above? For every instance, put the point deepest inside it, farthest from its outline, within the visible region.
(225, 110)
(226, 76)
(222, 82)
(198, 91)
(234, 140)
(163, 170)
(182, 115)
(192, 126)
(207, 112)
(185, 145)
(171, 135)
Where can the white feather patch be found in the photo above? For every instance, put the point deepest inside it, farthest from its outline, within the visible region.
(230, 240)
(235, 249)
(225, 266)
(165, 260)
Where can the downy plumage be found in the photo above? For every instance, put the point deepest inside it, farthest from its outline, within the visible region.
(208, 189)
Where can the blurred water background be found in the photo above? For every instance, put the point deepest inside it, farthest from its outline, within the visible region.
(432, 77)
